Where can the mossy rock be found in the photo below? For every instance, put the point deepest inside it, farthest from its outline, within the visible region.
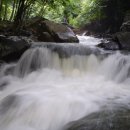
(103, 120)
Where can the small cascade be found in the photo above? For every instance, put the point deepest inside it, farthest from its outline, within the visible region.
(52, 85)
(88, 40)
(40, 57)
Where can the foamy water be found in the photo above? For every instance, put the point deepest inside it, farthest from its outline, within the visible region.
(88, 40)
(45, 92)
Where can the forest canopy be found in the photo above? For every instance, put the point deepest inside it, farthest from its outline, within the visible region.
(74, 12)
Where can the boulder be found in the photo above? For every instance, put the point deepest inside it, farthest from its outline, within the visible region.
(46, 37)
(12, 47)
(120, 41)
(109, 45)
(123, 39)
(60, 32)
(103, 120)
(49, 31)
(125, 26)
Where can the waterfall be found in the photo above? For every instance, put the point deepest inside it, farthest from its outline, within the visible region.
(54, 84)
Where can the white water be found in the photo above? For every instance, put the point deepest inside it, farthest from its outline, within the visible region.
(61, 90)
(88, 40)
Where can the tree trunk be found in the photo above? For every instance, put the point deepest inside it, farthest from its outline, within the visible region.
(19, 13)
(12, 14)
(5, 10)
(1, 9)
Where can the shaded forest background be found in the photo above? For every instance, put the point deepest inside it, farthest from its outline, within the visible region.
(108, 15)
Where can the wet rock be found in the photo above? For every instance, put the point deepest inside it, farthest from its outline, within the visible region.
(45, 36)
(65, 51)
(109, 45)
(48, 31)
(60, 32)
(12, 47)
(120, 41)
(103, 120)
(125, 26)
(123, 39)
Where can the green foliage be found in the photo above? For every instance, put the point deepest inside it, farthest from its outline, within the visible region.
(74, 12)
(91, 11)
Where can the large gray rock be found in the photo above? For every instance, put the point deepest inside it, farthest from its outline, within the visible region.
(60, 32)
(103, 120)
(49, 31)
(12, 47)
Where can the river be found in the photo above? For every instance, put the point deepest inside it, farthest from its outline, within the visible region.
(44, 91)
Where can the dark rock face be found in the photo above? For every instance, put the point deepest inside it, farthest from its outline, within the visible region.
(123, 38)
(96, 27)
(127, 16)
(103, 120)
(109, 45)
(45, 36)
(120, 40)
(126, 24)
(114, 12)
(48, 31)
(11, 48)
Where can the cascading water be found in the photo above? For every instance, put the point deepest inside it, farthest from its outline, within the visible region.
(45, 91)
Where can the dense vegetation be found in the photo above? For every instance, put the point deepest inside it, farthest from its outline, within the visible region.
(74, 12)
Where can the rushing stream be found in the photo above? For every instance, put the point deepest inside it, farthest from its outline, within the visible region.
(45, 91)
